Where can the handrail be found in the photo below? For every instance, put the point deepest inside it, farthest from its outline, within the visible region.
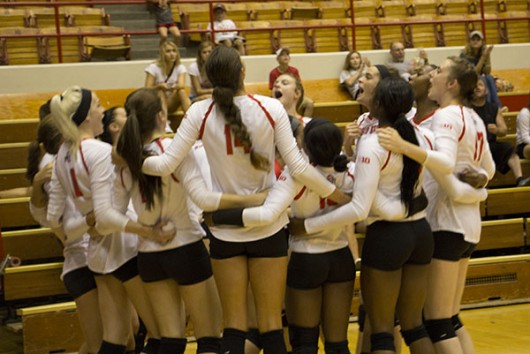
(353, 25)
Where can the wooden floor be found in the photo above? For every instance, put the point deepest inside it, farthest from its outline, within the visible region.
(495, 330)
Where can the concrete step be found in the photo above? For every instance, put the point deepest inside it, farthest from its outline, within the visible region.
(134, 25)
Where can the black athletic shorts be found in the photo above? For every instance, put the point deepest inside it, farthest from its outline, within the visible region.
(390, 245)
(501, 153)
(312, 270)
(520, 149)
(187, 265)
(125, 272)
(79, 281)
(270, 247)
(451, 246)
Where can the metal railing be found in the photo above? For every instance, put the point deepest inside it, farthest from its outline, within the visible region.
(352, 26)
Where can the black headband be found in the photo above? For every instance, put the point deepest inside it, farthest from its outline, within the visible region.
(82, 111)
(383, 71)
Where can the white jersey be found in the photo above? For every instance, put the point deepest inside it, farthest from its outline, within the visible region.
(75, 228)
(174, 206)
(376, 171)
(523, 127)
(87, 180)
(230, 166)
(461, 144)
(161, 77)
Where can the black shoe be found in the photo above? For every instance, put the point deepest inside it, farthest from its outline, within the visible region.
(522, 182)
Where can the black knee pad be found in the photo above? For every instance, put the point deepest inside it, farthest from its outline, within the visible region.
(361, 318)
(273, 342)
(336, 347)
(111, 348)
(253, 336)
(441, 329)
(382, 341)
(233, 341)
(208, 345)
(457, 323)
(172, 345)
(151, 347)
(304, 339)
(414, 334)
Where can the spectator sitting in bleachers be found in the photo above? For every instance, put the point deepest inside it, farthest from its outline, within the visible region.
(478, 54)
(168, 75)
(397, 60)
(164, 20)
(354, 67)
(283, 56)
(221, 22)
(201, 88)
(503, 152)
(523, 133)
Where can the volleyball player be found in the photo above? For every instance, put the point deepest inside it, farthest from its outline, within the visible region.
(240, 133)
(460, 142)
(83, 172)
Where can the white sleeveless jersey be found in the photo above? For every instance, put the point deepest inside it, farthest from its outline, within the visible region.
(175, 206)
(230, 166)
(460, 135)
(87, 180)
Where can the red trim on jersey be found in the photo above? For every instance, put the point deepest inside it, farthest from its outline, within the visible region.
(423, 119)
(201, 131)
(299, 195)
(83, 158)
(351, 175)
(429, 142)
(267, 114)
(386, 162)
(159, 143)
(77, 190)
(464, 124)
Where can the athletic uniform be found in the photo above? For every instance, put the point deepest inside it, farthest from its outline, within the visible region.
(523, 131)
(184, 258)
(230, 166)
(388, 245)
(76, 276)
(460, 141)
(87, 180)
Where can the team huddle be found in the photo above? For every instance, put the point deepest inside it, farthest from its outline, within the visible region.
(250, 209)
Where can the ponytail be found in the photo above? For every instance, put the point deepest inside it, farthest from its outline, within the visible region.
(393, 98)
(223, 69)
(141, 106)
(50, 137)
(63, 107)
(34, 157)
(411, 169)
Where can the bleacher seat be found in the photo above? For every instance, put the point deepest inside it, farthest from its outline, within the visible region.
(455, 33)
(421, 7)
(21, 50)
(384, 35)
(45, 17)
(298, 10)
(391, 8)
(296, 39)
(333, 9)
(238, 12)
(14, 18)
(421, 35)
(194, 16)
(333, 39)
(266, 11)
(81, 16)
(257, 42)
(72, 45)
(364, 35)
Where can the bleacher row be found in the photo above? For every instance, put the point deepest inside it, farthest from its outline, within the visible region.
(304, 26)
